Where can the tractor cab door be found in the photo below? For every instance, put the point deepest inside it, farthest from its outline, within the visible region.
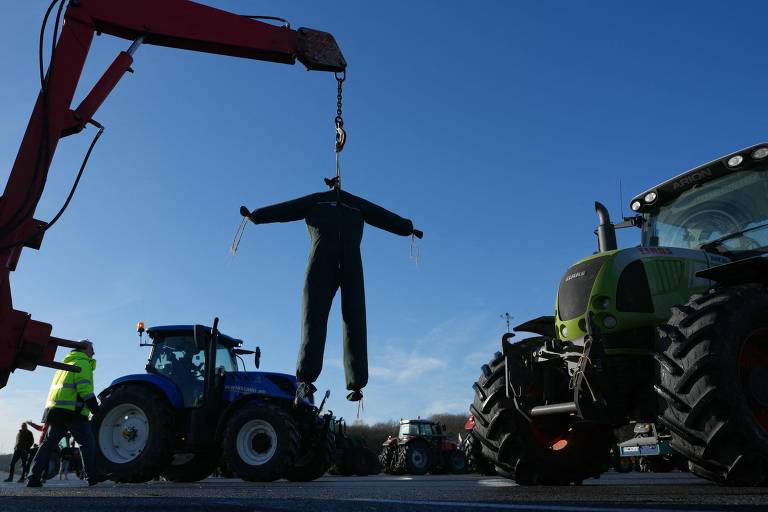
(179, 357)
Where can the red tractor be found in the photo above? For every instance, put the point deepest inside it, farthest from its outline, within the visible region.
(421, 446)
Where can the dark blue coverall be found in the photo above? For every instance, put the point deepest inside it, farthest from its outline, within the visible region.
(335, 221)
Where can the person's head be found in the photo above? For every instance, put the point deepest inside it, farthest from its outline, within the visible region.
(86, 348)
(23, 426)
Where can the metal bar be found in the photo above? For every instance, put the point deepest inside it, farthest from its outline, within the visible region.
(59, 366)
(546, 410)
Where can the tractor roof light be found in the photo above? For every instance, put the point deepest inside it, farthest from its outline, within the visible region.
(735, 161)
(650, 197)
(760, 153)
(636, 206)
(140, 327)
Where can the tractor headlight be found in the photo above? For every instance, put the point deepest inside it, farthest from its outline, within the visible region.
(564, 331)
(610, 321)
(636, 206)
(760, 153)
(735, 161)
(650, 197)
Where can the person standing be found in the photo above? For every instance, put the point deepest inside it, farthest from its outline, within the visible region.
(24, 442)
(71, 400)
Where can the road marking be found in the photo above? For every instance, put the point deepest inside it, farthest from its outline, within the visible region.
(496, 483)
(522, 506)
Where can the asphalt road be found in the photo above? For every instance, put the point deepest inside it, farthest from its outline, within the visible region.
(445, 493)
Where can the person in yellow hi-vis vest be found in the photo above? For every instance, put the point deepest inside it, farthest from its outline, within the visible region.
(71, 400)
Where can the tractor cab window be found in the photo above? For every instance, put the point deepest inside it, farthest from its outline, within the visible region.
(225, 359)
(426, 430)
(409, 429)
(713, 210)
(179, 359)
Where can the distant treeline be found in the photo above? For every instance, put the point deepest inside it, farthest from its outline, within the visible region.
(377, 433)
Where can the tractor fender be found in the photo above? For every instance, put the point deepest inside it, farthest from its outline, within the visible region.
(157, 382)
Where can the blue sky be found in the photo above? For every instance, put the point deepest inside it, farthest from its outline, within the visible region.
(493, 126)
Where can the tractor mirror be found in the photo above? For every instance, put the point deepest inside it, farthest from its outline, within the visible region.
(257, 356)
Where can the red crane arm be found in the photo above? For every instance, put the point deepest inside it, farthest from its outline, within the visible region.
(26, 343)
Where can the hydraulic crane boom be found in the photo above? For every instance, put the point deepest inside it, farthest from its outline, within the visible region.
(27, 343)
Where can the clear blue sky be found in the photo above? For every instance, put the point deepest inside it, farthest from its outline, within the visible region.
(493, 125)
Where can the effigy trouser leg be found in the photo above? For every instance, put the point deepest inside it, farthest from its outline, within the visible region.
(355, 332)
(319, 289)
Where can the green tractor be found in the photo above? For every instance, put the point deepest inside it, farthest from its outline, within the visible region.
(673, 331)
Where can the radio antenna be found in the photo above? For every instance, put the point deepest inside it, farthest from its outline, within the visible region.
(621, 199)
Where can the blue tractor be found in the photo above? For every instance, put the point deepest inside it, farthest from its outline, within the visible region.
(194, 411)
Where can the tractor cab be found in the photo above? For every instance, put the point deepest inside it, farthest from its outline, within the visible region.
(422, 428)
(718, 207)
(185, 353)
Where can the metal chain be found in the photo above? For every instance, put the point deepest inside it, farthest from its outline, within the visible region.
(341, 134)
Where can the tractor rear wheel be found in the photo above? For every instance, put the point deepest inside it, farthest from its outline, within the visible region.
(712, 379)
(415, 458)
(134, 434)
(388, 459)
(260, 443)
(317, 457)
(190, 467)
(554, 453)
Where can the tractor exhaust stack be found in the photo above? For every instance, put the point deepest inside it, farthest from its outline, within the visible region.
(606, 232)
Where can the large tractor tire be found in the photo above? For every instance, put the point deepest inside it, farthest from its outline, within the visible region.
(134, 434)
(712, 376)
(414, 457)
(260, 443)
(388, 459)
(552, 453)
(473, 453)
(317, 458)
(189, 467)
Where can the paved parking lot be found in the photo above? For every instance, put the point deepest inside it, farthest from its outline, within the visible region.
(455, 493)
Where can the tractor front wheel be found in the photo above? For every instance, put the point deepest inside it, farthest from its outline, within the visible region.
(712, 380)
(260, 443)
(134, 434)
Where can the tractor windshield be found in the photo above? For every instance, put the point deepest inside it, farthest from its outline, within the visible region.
(181, 360)
(714, 210)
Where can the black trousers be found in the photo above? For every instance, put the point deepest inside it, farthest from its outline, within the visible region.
(19, 456)
(326, 273)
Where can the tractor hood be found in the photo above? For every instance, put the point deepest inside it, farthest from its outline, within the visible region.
(628, 288)
(274, 385)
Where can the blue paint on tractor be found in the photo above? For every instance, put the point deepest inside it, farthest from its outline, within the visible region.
(262, 384)
(160, 382)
